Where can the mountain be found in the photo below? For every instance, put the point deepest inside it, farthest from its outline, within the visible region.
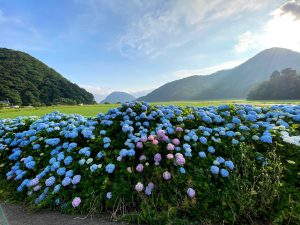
(118, 96)
(24, 80)
(228, 84)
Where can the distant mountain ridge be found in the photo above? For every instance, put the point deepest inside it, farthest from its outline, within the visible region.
(118, 96)
(24, 80)
(228, 84)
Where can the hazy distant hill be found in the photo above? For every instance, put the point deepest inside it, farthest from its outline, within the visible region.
(228, 84)
(118, 96)
(26, 80)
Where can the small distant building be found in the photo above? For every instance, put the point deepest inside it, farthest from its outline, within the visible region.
(4, 103)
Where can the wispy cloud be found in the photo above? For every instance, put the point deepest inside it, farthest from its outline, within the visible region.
(206, 71)
(245, 41)
(19, 34)
(173, 25)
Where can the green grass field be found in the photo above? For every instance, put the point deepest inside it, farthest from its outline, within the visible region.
(93, 110)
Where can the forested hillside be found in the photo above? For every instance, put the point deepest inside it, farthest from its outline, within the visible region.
(284, 85)
(24, 80)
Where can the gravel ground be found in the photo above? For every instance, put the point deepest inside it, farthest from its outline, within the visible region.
(18, 215)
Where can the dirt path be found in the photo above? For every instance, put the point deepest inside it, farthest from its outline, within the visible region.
(18, 215)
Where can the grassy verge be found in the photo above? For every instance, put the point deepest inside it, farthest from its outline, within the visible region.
(93, 110)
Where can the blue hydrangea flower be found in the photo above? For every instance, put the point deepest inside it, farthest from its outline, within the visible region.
(110, 168)
(81, 162)
(50, 181)
(220, 159)
(211, 149)
(181, 170)
(61, 171)
(30, 165)
(36, 146)
(68, 160)
(52, 141)
(203, 140)
(229, 164)
(224, 173)
(108, 195)
(214, 170)
(123, 152)
(266, 138)
(76, 179)
(69, 173)
(66, 181)
(202, 154)
(57, 188)
(99, 155)
(131, 152)
(93, 167)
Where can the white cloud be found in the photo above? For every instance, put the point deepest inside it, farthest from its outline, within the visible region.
(141, 93)
(206, 71)
(100, 93)
(281, 30)
(290, 7)
(173, 25)
(245, 41)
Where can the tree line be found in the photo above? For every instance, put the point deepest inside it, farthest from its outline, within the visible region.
(283, 85)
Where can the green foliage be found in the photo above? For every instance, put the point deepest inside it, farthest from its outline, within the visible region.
(25, 80)
(281, 86)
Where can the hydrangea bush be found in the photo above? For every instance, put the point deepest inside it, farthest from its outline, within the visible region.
(160, 164)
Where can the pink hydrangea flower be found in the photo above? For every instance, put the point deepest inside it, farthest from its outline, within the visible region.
(180, 160)
(166, 138)
(76, 201)
(142, 158)
(151, 138)
(191, 192)
(139, 168)
(170, 156)
(170, 147)
(166, 175)
(139, 144)
(143, 139)
(176, 141)
(155, 142)
(151, 185)
(139, 187)
(157, 157)
(179, 129)
(161, 133)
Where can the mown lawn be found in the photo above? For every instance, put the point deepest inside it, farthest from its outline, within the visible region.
(93, 110)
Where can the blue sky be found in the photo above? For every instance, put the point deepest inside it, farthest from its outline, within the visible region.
(138, 45)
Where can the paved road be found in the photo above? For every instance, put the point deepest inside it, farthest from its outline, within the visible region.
(17, 215)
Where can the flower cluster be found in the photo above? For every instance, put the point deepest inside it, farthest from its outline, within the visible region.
(152, 145)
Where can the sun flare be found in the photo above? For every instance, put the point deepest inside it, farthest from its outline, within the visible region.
(282, 31)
